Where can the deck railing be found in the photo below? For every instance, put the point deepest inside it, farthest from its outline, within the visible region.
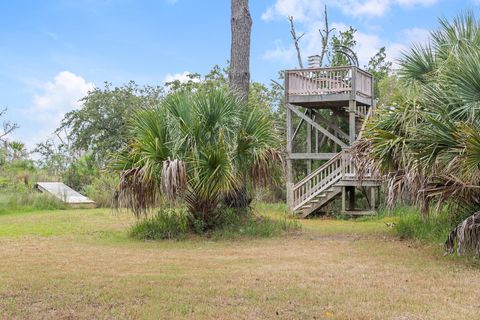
(335, 80)
(342, 166)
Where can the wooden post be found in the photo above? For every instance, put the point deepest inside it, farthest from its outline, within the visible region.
(351, 198)
(289, 150)
(309, 142)
(344, 196)
(372, 197)
(352, 120)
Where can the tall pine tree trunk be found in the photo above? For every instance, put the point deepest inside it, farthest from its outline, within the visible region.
(240, 48)
(239, 76)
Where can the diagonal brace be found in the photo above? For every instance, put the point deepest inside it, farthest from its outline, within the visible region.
(316, 125)
(333, 126)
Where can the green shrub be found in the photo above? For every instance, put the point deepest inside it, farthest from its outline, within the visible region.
(168, 223)
(432, 228)
(102, 189)
(176, 223)
(252, 226)
(81, 173)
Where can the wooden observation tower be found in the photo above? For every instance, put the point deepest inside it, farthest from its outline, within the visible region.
(326, 108)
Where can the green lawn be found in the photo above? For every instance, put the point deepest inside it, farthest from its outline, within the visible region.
(68, 264)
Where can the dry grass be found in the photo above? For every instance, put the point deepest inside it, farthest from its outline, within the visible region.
(90, 269)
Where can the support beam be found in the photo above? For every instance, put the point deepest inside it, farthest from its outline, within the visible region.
(352, 121)
(351, 198)
(373, 197)
(316, 125)
(344, 198)
(299, 126)
(289, 176)
(309, 141)
(312, 156)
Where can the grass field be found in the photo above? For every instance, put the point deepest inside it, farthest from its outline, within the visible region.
(70, 264)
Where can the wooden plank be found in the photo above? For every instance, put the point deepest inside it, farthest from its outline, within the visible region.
(289, 172)
(352, 121)
(312, 156)
(318, 98)
(309, 142)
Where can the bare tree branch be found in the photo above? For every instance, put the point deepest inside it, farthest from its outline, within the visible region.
(277, 84)
(296, 40)
(325, 33)
(8, 127)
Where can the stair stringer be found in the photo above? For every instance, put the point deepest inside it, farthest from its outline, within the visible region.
(330, 194)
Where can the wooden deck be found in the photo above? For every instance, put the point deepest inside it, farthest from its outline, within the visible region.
(328, 87)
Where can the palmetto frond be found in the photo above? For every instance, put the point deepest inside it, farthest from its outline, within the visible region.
(430, 147)
(197, 146)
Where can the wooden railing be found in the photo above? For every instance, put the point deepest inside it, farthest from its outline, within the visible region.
(336, 80)
(317, 182)
(363, 83)
(361, 111)
(339, 167)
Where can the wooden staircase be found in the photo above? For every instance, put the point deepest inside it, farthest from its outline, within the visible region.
(320, 187)
(324, 184)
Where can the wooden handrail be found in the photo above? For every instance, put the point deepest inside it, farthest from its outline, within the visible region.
(319, 180)
(331, 80)
(323, 69)
(315, 172)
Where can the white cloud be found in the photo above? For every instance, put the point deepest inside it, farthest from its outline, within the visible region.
(62, 94)
(408, 36)
(55, 98)
(308, 10)
(182, 77)
(416, 35)
(300, 9)
(280, 53)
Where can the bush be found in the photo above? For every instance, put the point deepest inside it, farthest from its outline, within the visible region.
(177, 223)
(432, 228)
(253, 225)
(81, 173)
(102, 189)
(168, 223)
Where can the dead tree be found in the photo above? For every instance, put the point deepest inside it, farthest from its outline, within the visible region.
(325, 33)
(239, 76)
(241, 24)
(8, 127)
(296, 40)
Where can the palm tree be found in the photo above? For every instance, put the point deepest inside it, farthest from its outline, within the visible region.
(428, 141)
(17, 149)
(196, 147)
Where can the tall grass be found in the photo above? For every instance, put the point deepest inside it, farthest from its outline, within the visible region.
(410, 224)
(168, 223)
(29, 201)
(177, 223)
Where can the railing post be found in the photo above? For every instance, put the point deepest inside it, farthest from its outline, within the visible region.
(290, 199)
(353, 94)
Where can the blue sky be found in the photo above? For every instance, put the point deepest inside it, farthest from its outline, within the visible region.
(53, 51)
